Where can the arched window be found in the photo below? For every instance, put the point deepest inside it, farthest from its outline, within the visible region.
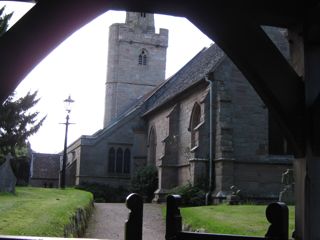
(119, 161)
(152, 146)
(194, 122)
(143, 57)
(111, 159)
(127, 158)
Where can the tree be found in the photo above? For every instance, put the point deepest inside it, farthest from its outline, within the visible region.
(4, 19)
(145, 181)
(17, 122)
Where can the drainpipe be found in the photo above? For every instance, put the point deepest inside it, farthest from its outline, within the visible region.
(211, 170)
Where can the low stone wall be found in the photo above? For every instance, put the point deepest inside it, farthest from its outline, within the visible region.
(79, 222)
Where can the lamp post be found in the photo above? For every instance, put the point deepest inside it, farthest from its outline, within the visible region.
(62, 183)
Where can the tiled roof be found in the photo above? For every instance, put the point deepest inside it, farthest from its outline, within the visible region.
(45, 165)
(195, 70)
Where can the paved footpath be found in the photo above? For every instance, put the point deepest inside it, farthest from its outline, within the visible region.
(108, 219)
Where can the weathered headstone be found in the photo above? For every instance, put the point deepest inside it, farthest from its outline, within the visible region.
(287, 194)
(7, 178)
(234, 197)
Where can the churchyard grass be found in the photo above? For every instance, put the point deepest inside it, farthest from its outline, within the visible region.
(39, 211)
(230, 219)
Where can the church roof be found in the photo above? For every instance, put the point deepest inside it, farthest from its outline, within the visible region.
(194, 71)
(45, 166)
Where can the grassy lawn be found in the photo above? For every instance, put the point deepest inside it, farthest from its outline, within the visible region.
(39, 211)
(227, 219)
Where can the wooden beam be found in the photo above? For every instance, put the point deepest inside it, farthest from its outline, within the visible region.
(48, 23)
(37, 33)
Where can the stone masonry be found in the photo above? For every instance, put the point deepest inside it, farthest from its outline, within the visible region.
(136, 62)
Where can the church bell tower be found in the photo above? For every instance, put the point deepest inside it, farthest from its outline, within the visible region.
(136, 62)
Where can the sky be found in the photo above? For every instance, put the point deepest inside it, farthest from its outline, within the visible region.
(77, 67)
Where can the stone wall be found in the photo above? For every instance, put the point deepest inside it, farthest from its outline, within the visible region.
(160, 122)
(243, 118)
(92, 152)
(167, 176)
(71, 172)
(78, 222)
(199, 96)
(260, 179)
(177, 163)
(241, 136)
(250, 119)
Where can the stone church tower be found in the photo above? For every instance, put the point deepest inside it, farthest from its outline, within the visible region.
(136, 63)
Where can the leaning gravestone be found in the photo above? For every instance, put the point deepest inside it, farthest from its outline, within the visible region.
(287, 194)
(7, 178)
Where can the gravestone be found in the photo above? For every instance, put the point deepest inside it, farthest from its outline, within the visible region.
(234, 197)
(287, 194)
(7, 178)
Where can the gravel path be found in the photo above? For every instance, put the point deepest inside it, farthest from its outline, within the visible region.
(107, 221)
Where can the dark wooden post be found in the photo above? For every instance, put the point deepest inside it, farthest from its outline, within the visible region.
(133, 226)
(278, 215)
(173, 217)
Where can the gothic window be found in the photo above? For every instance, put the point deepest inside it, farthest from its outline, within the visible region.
(127, 158)
(152, 146)
(119, 161)
(112, 159)
(194, 123)
(143, 57)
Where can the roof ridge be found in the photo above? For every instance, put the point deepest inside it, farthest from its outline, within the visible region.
(169, 79)
(191, 72)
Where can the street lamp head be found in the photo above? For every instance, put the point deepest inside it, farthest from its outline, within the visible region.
(67, 103)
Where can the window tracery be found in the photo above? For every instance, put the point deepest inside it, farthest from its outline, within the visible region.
(119, 161)
(142, 60)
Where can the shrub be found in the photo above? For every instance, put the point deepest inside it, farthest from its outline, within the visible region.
(145, 182)
(105, 193)
(21, 168)
(190, 195)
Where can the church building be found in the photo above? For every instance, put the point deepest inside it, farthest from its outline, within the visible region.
(205, 116)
